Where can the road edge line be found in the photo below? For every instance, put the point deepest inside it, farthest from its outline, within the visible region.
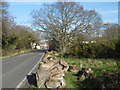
(18, 86)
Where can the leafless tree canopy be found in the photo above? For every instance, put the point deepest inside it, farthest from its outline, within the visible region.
(63, 21)
(111, 31)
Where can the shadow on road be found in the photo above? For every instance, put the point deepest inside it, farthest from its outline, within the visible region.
(32, 79)
(40, 50)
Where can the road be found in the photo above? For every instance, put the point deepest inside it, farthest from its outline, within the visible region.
(16, 68)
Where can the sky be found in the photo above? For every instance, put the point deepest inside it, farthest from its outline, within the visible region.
(21, 10)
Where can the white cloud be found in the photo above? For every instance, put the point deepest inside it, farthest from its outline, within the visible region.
(109, 12)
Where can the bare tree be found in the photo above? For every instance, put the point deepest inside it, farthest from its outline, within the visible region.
(111, 31)
(64, 21)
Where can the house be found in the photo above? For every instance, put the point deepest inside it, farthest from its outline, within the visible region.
(33, 45)
(42, 45)
(86, 42)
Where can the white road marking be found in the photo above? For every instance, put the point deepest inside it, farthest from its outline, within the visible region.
(18, 86)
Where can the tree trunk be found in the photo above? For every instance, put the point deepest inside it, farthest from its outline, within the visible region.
(63, 50)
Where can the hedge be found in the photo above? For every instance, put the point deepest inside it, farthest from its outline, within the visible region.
(104, 49)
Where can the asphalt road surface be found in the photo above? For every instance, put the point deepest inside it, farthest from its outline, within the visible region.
(16, 68)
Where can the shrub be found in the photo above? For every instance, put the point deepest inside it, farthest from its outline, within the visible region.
(111, 80)
(104, 49)
(117, 49)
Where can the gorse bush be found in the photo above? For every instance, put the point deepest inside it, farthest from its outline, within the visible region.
(104, 49)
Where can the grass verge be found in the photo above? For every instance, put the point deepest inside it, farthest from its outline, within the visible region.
(15, 53)
(99, 66)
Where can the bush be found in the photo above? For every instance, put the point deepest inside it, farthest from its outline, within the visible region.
(117, 49)
(105, 49)
(111, 80)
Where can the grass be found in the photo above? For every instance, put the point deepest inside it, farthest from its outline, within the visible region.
(14, 53)
(99, 66)
(70, 81)
(33, 87)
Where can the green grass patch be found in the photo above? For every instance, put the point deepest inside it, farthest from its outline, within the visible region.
(99, 66)
(33, 87)
(70, 81)
(14, 53)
